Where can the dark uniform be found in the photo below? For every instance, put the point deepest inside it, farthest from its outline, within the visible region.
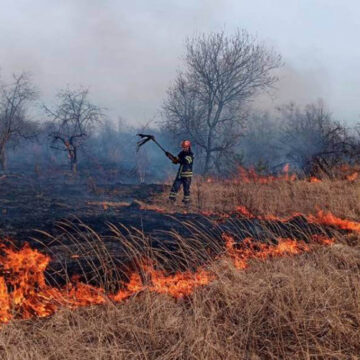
(184, 175)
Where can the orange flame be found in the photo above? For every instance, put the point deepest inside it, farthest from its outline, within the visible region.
(244, 211)
(352, 177)
(314, 179)
(24, 292)
(321, 218)
(251, 176)
(249, 249)
(330, 219)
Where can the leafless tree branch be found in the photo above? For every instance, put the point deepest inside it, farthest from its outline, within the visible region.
(73, 120)
(14, 123)
(206, 101)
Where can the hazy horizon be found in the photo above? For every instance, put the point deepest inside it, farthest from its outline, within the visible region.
(129, 53)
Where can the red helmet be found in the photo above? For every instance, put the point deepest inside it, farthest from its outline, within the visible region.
(185, 144)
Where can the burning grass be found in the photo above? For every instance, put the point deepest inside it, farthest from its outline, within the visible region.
(247, 308)
(279, 198)
(208, 296)
(26, 293)
(299, 307)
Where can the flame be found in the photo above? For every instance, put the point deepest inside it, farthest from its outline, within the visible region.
(347, 172)
(352, 177)
(244, 211)
(25, 294)
(250, 249)
(177, 285)
(322, 239)
(251, 176)
(4, 302)
(327, 218)
(321, 218)
(314, 179)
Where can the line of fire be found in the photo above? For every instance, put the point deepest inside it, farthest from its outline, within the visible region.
(226, 218)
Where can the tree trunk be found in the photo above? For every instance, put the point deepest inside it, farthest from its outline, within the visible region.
(74, 167)
(3, 158)
(207, 162)
(74, 161)
(208, 152)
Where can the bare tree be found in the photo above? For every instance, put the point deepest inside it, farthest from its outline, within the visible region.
(73, 121)
(14, 123)
(206, 102)
(314, 140)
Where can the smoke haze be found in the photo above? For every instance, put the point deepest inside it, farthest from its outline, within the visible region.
(129, 52)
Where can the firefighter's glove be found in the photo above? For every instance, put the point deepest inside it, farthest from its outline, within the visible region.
(172, 157)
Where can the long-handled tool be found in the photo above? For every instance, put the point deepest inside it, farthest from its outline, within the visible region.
(145, 138)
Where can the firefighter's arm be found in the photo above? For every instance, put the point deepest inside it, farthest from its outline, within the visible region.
(173, 158)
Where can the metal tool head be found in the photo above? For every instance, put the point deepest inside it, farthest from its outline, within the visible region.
(144, 139)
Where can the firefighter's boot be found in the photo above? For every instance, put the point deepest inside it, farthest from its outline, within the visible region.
(186, 201)
(172, 198)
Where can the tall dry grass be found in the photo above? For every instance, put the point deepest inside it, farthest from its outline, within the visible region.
(281, 198)
(304, 307)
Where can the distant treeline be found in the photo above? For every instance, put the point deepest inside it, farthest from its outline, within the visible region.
(209, 103)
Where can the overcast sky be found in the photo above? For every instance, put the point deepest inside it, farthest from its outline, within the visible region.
(128, 52)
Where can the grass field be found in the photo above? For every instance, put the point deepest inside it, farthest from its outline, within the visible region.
(280, 198)
(304, 306)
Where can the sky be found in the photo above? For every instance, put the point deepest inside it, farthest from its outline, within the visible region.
(129, 52)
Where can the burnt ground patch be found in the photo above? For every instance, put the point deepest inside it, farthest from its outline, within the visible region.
(68, 211)
(27, 204)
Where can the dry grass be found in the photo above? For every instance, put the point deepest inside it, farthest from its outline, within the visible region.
(303, 307)
(281, 198)
(306, 307)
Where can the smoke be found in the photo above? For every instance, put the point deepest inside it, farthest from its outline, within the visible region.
(128, 53)
(302, 87)
(109, 155)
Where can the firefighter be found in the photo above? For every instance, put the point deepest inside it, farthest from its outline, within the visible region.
(184, 174)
